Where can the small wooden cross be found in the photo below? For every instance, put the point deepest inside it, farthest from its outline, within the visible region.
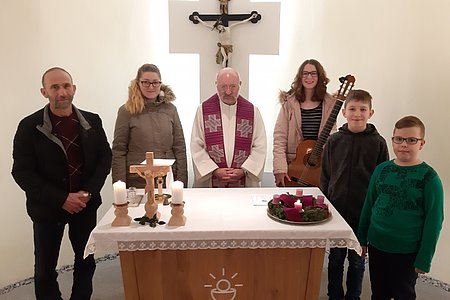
(149, 172)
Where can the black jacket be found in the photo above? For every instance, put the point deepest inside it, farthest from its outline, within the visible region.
(348, 162)
(40, 164)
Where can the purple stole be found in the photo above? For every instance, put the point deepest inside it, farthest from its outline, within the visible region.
(212, 121)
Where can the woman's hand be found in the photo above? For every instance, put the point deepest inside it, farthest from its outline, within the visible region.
(280, 178)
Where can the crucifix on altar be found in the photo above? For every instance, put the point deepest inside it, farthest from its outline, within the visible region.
(149, 172)
(251, 34)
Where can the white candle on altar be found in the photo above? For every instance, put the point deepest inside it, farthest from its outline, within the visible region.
(177, 192)
(120, 192)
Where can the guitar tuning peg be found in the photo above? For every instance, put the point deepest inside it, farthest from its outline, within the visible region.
(341, 79)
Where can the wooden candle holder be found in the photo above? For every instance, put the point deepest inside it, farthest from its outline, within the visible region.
(178, 218)
(122, 217)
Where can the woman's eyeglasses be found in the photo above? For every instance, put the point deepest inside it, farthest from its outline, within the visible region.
(146, 83)
(312, 73)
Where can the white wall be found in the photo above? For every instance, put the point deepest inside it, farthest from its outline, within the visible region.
(398, 50)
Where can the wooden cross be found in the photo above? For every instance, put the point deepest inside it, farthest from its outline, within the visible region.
(149, 172)
(185, 37)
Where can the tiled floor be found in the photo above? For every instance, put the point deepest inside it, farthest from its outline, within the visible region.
(108, 285)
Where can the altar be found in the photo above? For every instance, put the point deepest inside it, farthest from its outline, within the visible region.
(228, 249)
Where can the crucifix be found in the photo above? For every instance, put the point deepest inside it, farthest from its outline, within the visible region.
(185, 36)
(221, 25)
(149, 172)
(223, 55)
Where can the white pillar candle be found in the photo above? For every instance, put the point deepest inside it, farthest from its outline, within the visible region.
(177, 192)
(120, 192)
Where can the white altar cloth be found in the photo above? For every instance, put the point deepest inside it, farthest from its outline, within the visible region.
(222, 219)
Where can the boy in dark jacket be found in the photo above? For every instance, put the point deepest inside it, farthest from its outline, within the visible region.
(349, 158)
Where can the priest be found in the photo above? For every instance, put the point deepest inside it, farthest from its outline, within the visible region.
(228, 142)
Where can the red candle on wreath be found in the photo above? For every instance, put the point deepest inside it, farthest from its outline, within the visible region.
(320, 199)
(298, 205)
(276, 199)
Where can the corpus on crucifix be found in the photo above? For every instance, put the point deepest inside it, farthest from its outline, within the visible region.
(223, 55)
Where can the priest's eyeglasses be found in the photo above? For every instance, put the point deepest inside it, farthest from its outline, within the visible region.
(408, 140)
(312, 73)
(146, 83)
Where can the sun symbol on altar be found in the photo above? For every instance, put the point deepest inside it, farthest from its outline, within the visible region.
(223, 288)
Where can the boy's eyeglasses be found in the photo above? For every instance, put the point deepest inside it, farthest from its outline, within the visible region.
(408, 140)
(146, 83)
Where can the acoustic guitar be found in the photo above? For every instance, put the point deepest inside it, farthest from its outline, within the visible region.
(304, 170)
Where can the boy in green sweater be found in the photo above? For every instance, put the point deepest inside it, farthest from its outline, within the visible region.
(402, 215)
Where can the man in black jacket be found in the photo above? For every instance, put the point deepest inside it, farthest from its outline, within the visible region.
(61, 160)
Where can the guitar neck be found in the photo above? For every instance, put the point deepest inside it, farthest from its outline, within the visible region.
(326, 130)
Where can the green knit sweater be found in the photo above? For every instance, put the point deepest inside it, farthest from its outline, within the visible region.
(403, 211)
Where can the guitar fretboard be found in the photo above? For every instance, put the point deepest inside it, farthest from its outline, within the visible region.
(318, 147)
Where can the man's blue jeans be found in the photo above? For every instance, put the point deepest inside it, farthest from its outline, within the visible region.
(355, 274)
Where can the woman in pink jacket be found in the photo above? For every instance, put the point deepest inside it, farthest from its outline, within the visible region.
(303, 114)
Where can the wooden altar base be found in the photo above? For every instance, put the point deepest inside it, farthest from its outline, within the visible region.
(193, 274)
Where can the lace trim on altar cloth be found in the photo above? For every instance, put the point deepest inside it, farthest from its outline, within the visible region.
(235, 244)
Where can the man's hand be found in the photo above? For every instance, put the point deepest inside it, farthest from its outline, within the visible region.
(364, 251)
(84, 196)
(228, 175)
(74, 202)
(236, 175)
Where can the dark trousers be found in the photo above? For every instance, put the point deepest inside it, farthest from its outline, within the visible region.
(355, 274)
(47, 243)
(392, 275)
